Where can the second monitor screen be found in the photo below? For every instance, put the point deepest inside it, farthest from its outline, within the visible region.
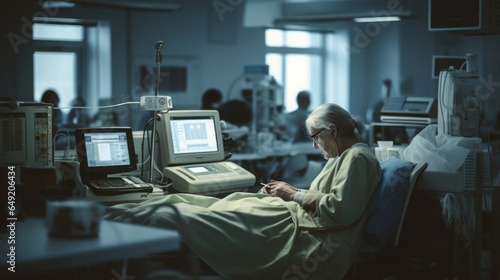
(193, 135)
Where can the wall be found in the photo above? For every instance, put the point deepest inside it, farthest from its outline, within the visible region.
(220, 45)
(17, 59)
(401, 51)
(375, 56)
(218, 42)
(418, 45)
(216, 46)
(15, 27)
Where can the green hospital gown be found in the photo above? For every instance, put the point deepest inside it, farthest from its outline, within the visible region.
(256, 236)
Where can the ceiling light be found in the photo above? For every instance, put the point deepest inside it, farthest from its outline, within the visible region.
(376, 19)
(57, 4)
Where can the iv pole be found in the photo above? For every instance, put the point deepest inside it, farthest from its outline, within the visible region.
(158, 57)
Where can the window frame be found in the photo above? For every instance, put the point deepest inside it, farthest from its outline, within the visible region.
(62, 46)
(316, 98)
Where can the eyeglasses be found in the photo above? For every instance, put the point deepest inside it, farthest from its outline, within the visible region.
(314, 136)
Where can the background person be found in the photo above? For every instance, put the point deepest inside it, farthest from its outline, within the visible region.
(51, 96)
(211, 100)
(79, 117)
(298, 117)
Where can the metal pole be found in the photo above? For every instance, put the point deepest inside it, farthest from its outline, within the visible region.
(158, 57)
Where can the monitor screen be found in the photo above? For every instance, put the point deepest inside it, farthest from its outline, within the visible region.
(441, 62)
(105, 150)
(190, 136)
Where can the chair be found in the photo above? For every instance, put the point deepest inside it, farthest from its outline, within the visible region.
(386, 214)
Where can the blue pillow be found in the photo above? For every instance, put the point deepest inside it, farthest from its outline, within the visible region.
(386, 203)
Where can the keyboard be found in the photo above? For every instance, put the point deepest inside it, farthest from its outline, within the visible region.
(111, 183)
(112, 186)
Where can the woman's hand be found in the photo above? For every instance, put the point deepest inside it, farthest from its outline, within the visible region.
(280, 189)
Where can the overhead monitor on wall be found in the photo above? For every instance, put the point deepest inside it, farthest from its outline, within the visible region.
(469, 17)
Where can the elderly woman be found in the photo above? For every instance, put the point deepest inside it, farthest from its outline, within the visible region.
(281, 232)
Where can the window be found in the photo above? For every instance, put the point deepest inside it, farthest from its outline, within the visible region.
(296, 60)
(57, 32)
(57, 60)
(73, 57)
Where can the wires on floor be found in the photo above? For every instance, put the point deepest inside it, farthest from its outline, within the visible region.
(144, 134)
(489, 160)
(147, 139)
(62, 132)
(459, 211)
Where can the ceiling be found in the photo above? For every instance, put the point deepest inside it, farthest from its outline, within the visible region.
(276, 13)
(154, 5)
(272, 13)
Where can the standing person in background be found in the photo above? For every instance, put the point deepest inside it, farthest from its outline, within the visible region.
(298, 117)
(51, 96)
(79, 117)
(211, 100)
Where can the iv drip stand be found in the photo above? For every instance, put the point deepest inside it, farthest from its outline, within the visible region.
(158, 57)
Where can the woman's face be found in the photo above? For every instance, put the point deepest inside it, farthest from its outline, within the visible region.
(324, 141)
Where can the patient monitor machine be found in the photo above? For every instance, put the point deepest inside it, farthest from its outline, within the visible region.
(458, 92)
(26, 137)
(458, 116)
(192, 150)
(209, 178)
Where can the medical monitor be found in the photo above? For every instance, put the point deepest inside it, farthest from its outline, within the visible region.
(105, 150)
(444, 62)
(190, 136)
(26, 134)
(459, 105)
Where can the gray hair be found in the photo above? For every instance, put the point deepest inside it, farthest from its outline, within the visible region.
(329, 114)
